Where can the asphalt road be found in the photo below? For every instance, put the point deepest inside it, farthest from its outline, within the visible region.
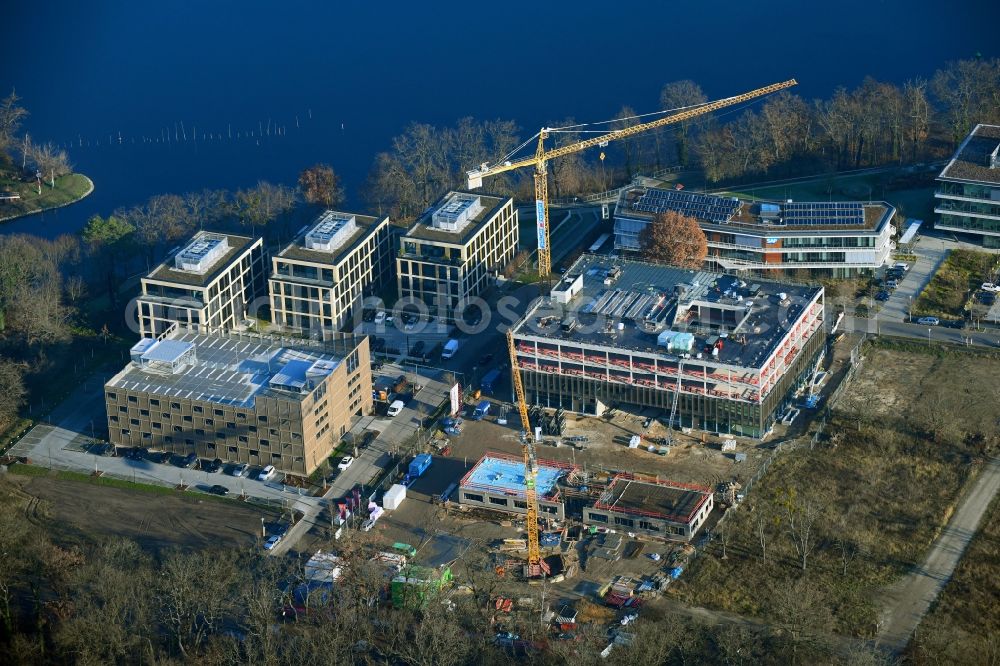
(910, 599)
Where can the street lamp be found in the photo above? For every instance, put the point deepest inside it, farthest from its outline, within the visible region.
(928, 335)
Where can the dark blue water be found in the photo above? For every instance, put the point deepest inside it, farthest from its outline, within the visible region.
(363, 70)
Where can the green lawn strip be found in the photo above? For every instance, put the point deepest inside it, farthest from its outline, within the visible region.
(948, 293)
(67, 190)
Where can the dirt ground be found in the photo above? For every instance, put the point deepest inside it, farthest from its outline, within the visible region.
(963, 387)
(81, 510)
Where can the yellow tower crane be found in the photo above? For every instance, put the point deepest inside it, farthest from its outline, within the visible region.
(536, 565)
(542, 156)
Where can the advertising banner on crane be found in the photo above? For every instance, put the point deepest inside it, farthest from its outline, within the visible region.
(540, 217)
(454, 395)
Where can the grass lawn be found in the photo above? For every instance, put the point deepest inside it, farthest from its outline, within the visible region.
(947, 294)
(964, 625)
(896, 456)
(68, 189)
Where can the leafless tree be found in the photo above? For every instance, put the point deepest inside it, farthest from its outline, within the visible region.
(761, 522)
(675, 239)
(676, 96)
(801, 513)
(11, 116)
(969, 91)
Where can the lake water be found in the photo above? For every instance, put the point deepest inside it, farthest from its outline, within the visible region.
(341, 78)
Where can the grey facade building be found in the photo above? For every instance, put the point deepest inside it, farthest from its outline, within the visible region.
(208, 284)
(496, 482)
(319, 280)
(709, 351)
(240, 397)
(453, 252)
(968, 190)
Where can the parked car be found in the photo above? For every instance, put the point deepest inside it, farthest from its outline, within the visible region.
(211, 466)
(241, 469)
(156, 456)
(345, 462)
(928, 321)
(989, 286)
(900, 265)
(219, 490)
(454, 431)
(987, 297)
(418, 348)
(891, 284)
(267, 473)
(395, 408)
(272, 541)
(882, 296)
(648, 422)
(190, 460)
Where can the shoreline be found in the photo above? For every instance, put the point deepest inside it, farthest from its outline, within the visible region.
(90, 189)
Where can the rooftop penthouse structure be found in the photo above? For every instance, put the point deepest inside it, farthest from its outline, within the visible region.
(318, 281)
(207, 284)
(717, 352)
(454, 250)
(496, 482)
(837, 238)
(968, 190)
(651, 507)
(240, 397)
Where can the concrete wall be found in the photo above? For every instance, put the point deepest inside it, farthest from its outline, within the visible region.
(508, 503)
(648, 525)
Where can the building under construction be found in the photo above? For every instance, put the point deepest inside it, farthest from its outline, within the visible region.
(661, 509)
(496, 482)
(709, 351)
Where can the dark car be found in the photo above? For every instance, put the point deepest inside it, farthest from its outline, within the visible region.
(378, 344)
(959, 323)
(219, 490)
(212, 466)
(987, 297)
(190, 460)
(418, 348)
(882, 296)
(485, 359)
(156, 456)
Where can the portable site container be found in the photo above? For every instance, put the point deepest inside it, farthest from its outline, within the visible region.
(419, 465)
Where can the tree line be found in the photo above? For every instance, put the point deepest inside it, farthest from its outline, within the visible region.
(877, 123)
(46, 159)
(77, 599)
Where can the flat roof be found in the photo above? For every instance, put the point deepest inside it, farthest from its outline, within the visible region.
(632, 312)
(423, 229)
(297, 250)
(168, 272)
(229, 369)
(971, 160)
(671, 501)
(500, 473)
(733, 214)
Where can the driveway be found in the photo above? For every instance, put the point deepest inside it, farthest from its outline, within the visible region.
(909, 600)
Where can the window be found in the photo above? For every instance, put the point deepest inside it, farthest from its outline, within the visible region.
(198, 409)
(177, 428)
(624, 522)
(134, 422)
(199, 431)
(219, 412)
(114, 419)
(111, 396)
(154, 402)
(265, 442)
(648, 526)
(133, 399)
(175, 405)
(231, 425)
(210, 422)
(469, 496)
(189, 442)
(220, 435)
(156, 425)
(232, 449)
(143, 412)
(262, 419)
(500, 501)
(125, 431)
(187, 418)
(597, 517)
(547, 509)
(243, 439)
(123, 409)
(520, 505)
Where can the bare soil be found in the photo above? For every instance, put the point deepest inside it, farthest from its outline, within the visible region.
(80, 510)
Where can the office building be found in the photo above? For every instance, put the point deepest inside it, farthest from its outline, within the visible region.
(708, 351)
(455, 250)
(209, 284)
(968, 190)
(320, 279)
(836, 239)
(241, 398)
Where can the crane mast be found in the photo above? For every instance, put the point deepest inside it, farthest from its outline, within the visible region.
(541, 156)
(536, 565)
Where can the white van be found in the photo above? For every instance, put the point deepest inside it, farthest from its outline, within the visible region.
(450, 348)
(395, 408)
(380, 317)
